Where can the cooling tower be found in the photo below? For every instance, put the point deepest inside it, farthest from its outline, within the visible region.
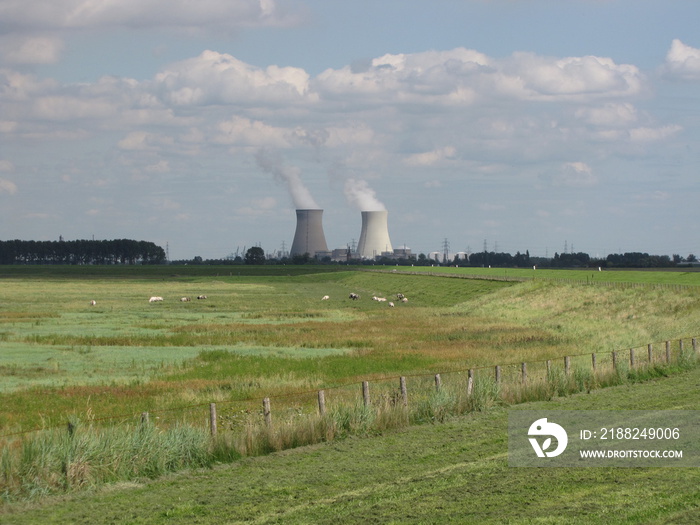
(309, 236)
(374, 239)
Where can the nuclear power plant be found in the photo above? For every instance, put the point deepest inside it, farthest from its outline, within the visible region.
(309, 237)
(374, 237)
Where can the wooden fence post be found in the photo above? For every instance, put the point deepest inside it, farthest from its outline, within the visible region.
(145, 418)
(593, 361)
(668, 351)
(650, 352)
(549, 368)
(212, 419)
(470, 381)
(438, 382)
(266, 411)
(567, 364)
(523, 370)
(680, 346)
(631, 357)
(695, 345)
(365, 392)
(404, 391)
(498, 374)
(321, 402)
(614, 361)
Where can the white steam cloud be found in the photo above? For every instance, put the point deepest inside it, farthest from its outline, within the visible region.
(272, 162)
(361, 195)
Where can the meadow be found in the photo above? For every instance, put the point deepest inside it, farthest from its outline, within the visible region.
(265, 332)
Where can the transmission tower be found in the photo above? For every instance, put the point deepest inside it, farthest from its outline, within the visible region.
(445, 250)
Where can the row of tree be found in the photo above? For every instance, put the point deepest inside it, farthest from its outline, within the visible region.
(256, 255)
(117, 251)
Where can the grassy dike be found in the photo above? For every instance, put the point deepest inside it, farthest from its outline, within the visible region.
(450, 472)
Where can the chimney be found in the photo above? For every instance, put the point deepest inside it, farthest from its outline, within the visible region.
(374, 238)
(309, 237)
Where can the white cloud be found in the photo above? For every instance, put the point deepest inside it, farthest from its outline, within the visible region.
(683, 61)
(246, 132)
(462, 76)
(430, 158)
(571, 78)
(575, 175)
(144, 141)
(31, 49)
(611, 114)
(219, 78)
(7, 186)
(646, 134)
(180, 14)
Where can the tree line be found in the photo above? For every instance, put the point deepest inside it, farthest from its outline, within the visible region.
(256, 255)
(117, 251)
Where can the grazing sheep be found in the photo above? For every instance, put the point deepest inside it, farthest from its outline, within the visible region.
(155, 299)
(325, 298)
(184, 299)
(354, 296)
(400, 296)
(93, 302)
(201, 297)
(404, 300)
(391, 304)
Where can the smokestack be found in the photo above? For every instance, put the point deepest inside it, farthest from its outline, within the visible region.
(309, 237)
(374, 238)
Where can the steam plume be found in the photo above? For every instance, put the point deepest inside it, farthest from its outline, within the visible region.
(361, 195)
(272, 162)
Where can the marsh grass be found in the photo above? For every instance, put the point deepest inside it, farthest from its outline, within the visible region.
(85, 455)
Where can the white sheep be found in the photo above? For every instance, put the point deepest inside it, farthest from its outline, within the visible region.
(325, 298)
(155, 299)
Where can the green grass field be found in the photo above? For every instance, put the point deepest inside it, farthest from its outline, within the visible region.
(266, 332)
(455, 472)
(272, 335)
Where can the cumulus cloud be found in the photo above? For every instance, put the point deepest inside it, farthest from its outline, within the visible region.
(535, 77)
(462, 77)
(683, 61)
(219, 78)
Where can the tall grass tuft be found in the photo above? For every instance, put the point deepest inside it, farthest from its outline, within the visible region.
(61, 461)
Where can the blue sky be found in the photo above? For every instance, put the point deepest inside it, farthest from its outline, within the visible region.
(528, 125)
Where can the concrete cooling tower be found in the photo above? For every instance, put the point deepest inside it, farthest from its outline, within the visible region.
(309, 237)
(374, 238)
